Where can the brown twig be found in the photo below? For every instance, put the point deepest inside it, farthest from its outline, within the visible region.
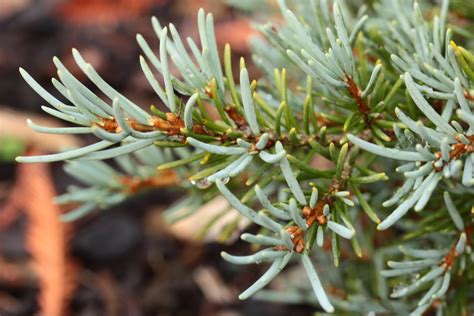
(449, 260)
(134, 185)
(356, 93)
(459, 149)
(316, 215)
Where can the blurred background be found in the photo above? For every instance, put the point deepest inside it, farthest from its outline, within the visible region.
(122, 261)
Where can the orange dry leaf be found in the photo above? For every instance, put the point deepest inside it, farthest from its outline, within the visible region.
(15, 274)
(93, 12)
(237, 34)
(9, 210)
(46, 238)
